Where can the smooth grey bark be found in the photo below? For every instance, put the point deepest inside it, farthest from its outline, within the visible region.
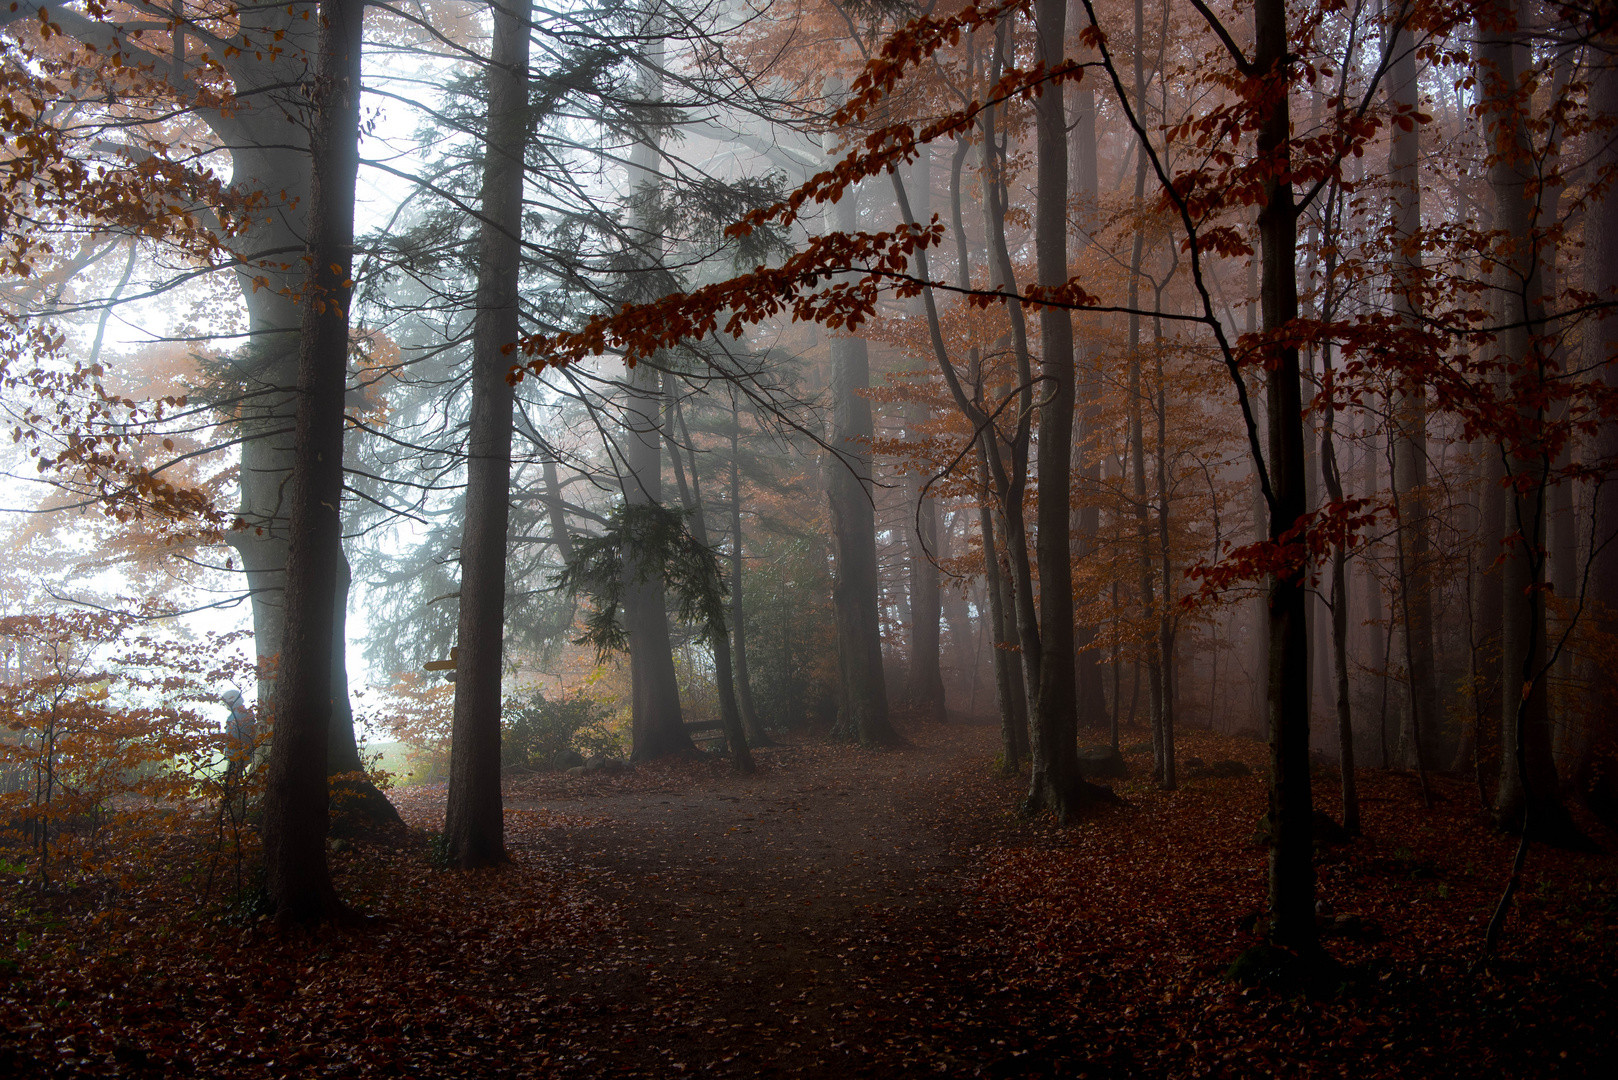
(924, 690)
(1375, 634)
(857, 584)
(297, 881)
(962, 653)
(1010, 699)
(1011, 477)
(1332, 476)
(1409, 407)
(474, 818)
(1055, 783)
(351, 789)
(657, 724)
(657, 720)
(1085, 520)
(1163, 734)
(1136, 414)
(924, 687)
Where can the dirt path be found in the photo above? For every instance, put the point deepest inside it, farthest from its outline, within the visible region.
(808, 921)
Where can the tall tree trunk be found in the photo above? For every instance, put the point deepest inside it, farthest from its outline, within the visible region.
(1376, 649)
(1055, 783)
(1011, 476)
(1163, 734)
(1085, 519)
(856, 585)
(1292, 871)
(730, 715)
(657, 721)
(1599, 786)
(1332, 475)
(474, 819)
(1409, 407)
(351, 789)
(925, 688)
(1007, 684)
(1137, 431)
(754, 727)
(963, 653)
(1528, 781)
(1010, 700)
(296, 878)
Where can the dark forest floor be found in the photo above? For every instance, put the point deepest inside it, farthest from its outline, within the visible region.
(844, 913)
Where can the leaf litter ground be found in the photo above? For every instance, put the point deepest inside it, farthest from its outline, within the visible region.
(841, 913)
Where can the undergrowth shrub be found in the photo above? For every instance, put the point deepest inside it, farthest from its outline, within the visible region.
(534, 729)
(113, 757)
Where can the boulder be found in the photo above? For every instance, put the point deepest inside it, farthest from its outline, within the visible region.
(567, 759)
(1100, 761)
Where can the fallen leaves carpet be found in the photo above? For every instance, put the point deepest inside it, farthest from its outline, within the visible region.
(842, 913)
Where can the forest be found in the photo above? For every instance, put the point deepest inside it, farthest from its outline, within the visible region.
(809, 538)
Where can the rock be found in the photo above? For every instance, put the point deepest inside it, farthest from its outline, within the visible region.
(1097, 761)
(567, 759)
(1139, 748)
(577, 770)
(612, 765)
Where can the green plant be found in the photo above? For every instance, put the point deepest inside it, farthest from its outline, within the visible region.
(535, 729)
(438, 852)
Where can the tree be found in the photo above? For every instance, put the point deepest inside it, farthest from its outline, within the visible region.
(850, 489)
(1600, 784)
(1409, 473)
(741, 758)
(1055, 784)
(295, 798)
(1528, 784)
(242, 84)
(474, 823)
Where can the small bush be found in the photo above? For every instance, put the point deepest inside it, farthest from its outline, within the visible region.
(535, 729)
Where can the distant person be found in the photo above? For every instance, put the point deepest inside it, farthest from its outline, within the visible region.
(241, 748)
(241, 728)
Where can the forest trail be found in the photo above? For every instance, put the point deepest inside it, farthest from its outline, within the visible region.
(805, 921)
(844, 913)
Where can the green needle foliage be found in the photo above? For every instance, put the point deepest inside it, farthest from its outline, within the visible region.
(640, 541)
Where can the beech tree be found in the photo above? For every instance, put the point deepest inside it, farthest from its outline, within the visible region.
(296, 878)
(235, 72)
